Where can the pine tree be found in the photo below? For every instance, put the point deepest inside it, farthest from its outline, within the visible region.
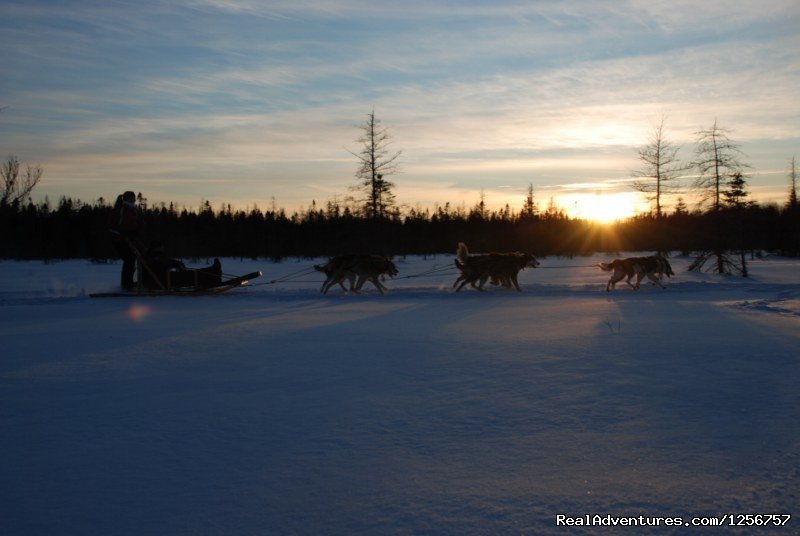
(734, 196)
(529, 209)
(681, 208)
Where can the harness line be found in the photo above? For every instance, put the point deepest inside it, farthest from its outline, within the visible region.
(291, 276)
(567, 266)
(431, 272)
(440, 271)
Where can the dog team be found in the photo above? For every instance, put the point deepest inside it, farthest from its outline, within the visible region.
(476, 270)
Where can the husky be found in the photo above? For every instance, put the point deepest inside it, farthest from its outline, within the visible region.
(371, 268)
(335, 271)
(653, 267)
(357, 269)
(500, 268)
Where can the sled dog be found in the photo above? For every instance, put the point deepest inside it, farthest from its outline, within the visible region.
(357, 268)
(499, 268)
(335, 271)
(653, 267)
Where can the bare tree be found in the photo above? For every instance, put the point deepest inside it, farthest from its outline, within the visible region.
(721, 181)
(717, 159)
(375, 164)
(16, 189)
(660, 168)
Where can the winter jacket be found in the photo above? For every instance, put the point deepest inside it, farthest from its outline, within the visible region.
(125, 218)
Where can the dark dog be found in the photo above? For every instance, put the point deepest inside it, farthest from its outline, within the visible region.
(653, 267)
(500, 268)
(357, 268)
(336, 271)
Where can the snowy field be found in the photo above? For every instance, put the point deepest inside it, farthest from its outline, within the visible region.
(275, 410)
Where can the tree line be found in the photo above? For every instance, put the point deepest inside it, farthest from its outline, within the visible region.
(721, 234)
(73, 229)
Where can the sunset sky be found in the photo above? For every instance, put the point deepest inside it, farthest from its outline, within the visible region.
(243, 101)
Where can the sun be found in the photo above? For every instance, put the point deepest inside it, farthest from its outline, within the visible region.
(602, 207)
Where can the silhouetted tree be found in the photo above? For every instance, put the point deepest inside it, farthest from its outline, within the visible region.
(680, 207)
(529, 209)
(733, 197)
(660, 168)
(479, 210)
(790, 226)
(16, 189)
(792, 202)
(716, 159)
(718, 163)
(376, 163)
(553, 212)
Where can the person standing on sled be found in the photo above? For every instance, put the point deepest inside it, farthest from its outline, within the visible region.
(126, 224)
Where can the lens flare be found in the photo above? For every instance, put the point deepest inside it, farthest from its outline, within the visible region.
(137, 312)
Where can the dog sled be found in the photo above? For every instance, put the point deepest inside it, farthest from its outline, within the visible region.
(159, 279)
(223, 286)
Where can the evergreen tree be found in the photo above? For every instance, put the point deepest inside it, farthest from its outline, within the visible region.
(680, 207)
(529, 209)
(734, 196)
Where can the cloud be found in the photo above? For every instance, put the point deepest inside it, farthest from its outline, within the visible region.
(198, 94)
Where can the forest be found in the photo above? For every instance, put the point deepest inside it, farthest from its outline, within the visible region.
(729, 222)
(73, 229)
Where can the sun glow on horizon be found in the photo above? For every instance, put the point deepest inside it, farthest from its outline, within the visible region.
(602, 207)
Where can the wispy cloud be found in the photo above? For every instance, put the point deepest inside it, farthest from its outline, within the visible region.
(196, 94)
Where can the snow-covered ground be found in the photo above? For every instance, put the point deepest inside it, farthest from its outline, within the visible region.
(276, 410)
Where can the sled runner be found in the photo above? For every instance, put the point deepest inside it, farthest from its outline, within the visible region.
(223, 286)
